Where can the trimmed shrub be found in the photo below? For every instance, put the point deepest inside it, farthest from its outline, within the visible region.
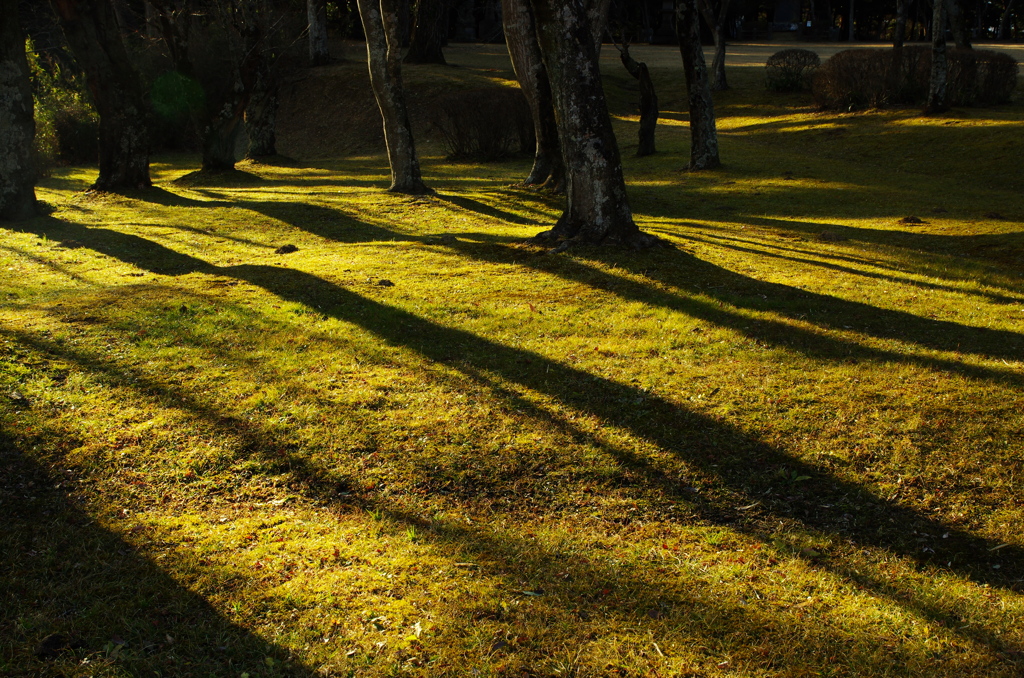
(484, 124)
(870, 78)
(790, 70)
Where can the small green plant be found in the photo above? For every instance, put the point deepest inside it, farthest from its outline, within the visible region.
(67, 126)
(791, 477)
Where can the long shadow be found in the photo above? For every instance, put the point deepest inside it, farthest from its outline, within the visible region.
(718, 450)
(74, 592)
(1005, 249)
(698, 278)
(638, 598)
(766, 251)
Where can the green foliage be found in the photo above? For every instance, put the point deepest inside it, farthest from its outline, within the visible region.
(67, 126)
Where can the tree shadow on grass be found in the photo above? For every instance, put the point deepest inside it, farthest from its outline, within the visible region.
(806, 257)
(93, 597)
(731, 458)
(718, 449)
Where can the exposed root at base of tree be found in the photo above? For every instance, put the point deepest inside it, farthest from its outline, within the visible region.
(637, 241)
(418, 188)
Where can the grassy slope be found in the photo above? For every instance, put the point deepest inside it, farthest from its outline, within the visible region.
(792, 446)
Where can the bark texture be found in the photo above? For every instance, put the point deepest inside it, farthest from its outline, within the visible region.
(521, 39)
(938, 96)
(17, 126)
(94, 36)
(316, 18)
(383, 50)
(597, 209)
(703, 129)
(429, 32)
(648, 101)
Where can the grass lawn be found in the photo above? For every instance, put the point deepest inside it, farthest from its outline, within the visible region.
(419, 445)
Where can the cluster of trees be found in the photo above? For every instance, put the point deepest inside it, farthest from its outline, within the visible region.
(554, 46)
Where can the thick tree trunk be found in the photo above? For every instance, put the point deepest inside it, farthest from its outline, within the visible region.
(261, 114)
(92, 32)
(316, 18)
(521, 38)
(938, 99)
(383, 52)
(648, 101)
(17, 126)
(598, 210)
(703, 131)
(956, 24)
(429, 32)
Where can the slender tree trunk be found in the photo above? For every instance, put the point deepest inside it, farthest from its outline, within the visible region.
(703, 130)
(383, 51)
(17, 126)
(598, 210)
(715, 16)
(852, 27)
(94, 36)
(648, 101)
(956, 24)
(599, 13)
(1004, 21)
(900, 32)
(316, 18)
(521, 38)
(429, 32)
(261, 114)
(894, 80)
(718, 81)
(938, 98)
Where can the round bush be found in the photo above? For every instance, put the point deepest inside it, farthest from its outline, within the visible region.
(790, 70)
(875, 78)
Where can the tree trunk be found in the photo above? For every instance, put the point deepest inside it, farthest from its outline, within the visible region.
(521, 38)
(938, 99)
(894, 79)
(598, 210)
(1004, 21)
(17, 126)
(383, 51)
(316, 17)
(956, 24)
(715, 17)
(648, 102)
(92, 32)
(900, 32)
(261, 114)
(429, 32)
(703, 131)
(599, 13)
(852, 27)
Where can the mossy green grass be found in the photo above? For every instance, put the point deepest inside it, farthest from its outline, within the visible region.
(421, 445)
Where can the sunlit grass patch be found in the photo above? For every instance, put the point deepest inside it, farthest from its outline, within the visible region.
(417, 444)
